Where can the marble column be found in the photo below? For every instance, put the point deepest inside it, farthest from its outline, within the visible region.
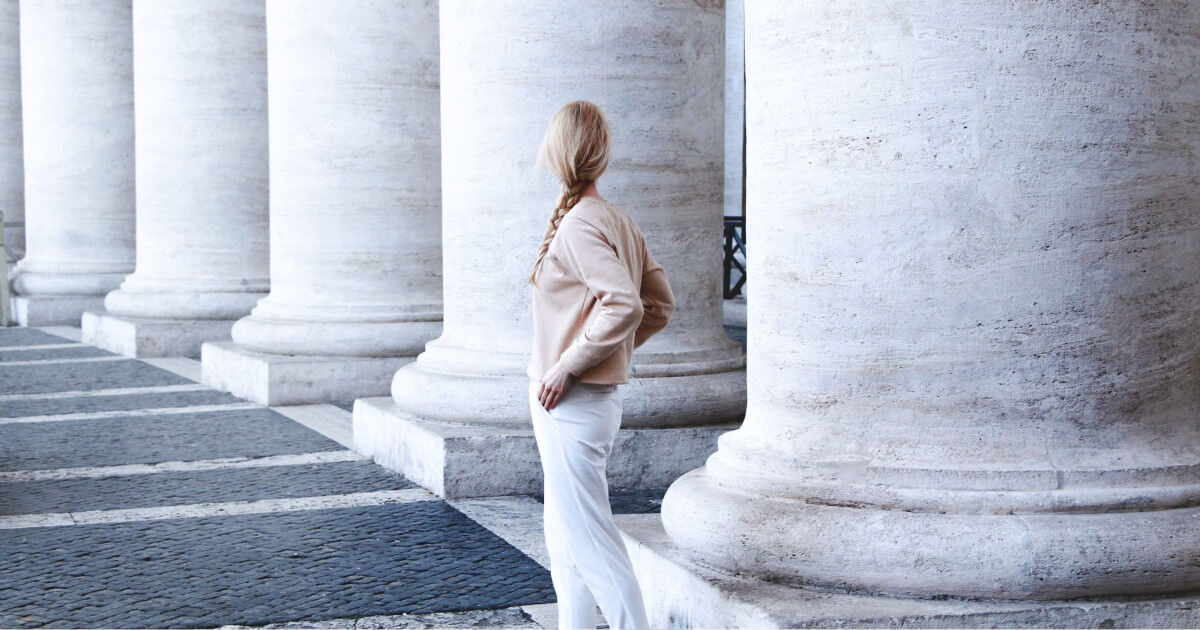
(200, 77)
(735, 105)
(973, 358)
(12, 169)
(656, 69)
(355, 224)
(77, 117)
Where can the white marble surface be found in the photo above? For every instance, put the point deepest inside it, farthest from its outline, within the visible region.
(77, 82)
(200, 80)
(972, 344)
(355, 223)
(507, 67)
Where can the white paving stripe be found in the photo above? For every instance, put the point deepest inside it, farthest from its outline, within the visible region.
(74, 333)
(181, 366)
(49, 346)
(74, 360)
(331, 421)
(115, 391)
(96, 472)
(516, 519)
(233, 508)
(133, 413)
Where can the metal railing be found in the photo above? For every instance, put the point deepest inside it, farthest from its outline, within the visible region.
(735, 255)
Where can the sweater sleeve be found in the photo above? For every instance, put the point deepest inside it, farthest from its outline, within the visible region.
(591, 258)
(658, 302)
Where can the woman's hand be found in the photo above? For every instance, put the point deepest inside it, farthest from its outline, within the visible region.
(555, 382)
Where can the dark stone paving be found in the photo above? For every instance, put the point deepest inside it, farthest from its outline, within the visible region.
(256, 569)
(63, 377)
(21, 336)
(738, 334)
(155, 438)
(77, 352)
(120, 402)
(182, 488)
(637, 501)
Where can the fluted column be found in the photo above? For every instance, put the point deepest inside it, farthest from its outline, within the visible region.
(201, 88)
(507, 66)
(355, 199)
(77, 108)
(12, 170)
(972, 349)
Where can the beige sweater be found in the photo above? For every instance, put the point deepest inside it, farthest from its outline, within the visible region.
(597, 295)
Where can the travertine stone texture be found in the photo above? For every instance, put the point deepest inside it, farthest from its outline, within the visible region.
(507, 66)
(12, 169)
(455, 460)
(77, 116)
(201, 88)
(354, 220)
(972, 349)
(680, 593)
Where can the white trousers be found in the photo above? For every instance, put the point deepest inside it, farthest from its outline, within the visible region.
(589, 564)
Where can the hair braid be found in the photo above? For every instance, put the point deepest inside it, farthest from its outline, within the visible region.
(571, 194)
(575, 148)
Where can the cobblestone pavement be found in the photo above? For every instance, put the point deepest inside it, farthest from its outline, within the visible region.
(133, 496)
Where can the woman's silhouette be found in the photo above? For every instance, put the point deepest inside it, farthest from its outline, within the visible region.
(598, 294)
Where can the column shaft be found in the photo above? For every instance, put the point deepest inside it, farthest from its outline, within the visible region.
(77, 106)
(507, 66)
(201, 88)
(12, 169)
(972, 348)
(355, 226)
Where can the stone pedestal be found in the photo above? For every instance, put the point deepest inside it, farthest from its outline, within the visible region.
(457, 460)
(355, 226)
(691, 595)
(273, 379)
(972, 347)
(507, 67)
(12, 158)
(201, 89)
(77, 117)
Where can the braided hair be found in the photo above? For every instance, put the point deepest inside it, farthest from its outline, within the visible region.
(575, 148)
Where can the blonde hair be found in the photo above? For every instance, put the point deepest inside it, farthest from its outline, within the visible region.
(575, 148)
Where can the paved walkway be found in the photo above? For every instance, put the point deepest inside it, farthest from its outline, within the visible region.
(133, 496)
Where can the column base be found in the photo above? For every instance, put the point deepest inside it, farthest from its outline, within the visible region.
(456, 460)
(682, 594)
(54, 310)
(144, 337)
(289, 379)
(503, 399)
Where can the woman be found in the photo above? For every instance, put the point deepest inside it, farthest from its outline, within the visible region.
(598, 294)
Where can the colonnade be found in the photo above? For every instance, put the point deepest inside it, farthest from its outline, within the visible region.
(972, 358)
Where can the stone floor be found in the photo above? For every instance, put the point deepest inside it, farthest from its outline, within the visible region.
(133, 496)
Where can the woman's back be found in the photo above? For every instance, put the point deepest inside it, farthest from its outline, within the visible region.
(598, 295)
